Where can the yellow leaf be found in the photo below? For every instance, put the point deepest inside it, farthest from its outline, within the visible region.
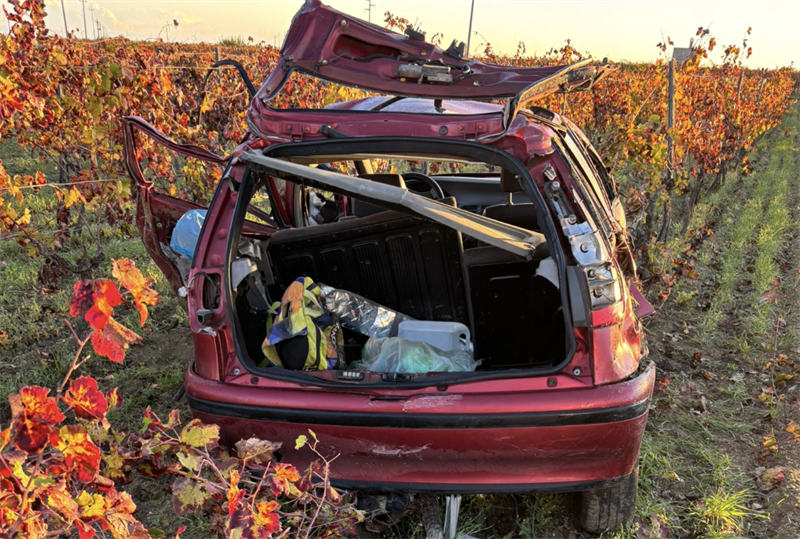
(301, 441)
(196, 434)
(770, 443)
(73, 196)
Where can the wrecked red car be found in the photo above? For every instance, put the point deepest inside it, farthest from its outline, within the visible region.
(432, 201)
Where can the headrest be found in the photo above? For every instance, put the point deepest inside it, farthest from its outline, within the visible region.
(386, 179)
(509, 182)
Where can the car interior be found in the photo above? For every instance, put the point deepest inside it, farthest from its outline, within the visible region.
(422, 269)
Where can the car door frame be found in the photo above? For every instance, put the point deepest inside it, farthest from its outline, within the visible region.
(153, 207)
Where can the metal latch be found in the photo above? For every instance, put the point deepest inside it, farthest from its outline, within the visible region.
(204, 316)
(423, 73)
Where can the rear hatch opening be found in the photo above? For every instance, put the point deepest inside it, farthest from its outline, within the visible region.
(425, 259)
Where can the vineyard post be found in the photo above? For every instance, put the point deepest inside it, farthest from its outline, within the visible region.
(670, 116)
(668, 183)
(216, 54)
(760, 88)
(739, 85)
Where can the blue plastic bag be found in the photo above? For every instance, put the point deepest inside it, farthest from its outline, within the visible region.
(186, 232)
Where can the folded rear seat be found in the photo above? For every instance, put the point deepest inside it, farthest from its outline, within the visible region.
(405, 263)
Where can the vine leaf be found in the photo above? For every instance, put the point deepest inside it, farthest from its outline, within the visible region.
(114, 340)
(85, 399)
(196, 434)
(132, 280)
(188, 496)
(81, 455)
(34, 414)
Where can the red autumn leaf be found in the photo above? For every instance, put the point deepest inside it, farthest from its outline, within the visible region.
(234, 494)
(34, 415)
(105, 298)
(10, 505)
(84, 530)
(265, 520)
(129, 276)
(259, 524)
(86, 401)
(82, 298)
(113, 341)
(80, 454)
(59, 500)
(96, 299)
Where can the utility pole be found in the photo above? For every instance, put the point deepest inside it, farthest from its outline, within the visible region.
(64, 13)
(85, 32)
(368, 9)
(94, 25)
(469, 32)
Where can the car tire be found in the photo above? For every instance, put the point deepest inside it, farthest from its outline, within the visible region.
(606, 508)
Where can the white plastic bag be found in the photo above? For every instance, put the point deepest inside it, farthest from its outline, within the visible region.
(411, 357)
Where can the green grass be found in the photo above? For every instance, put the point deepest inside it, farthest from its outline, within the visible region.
(721, 513)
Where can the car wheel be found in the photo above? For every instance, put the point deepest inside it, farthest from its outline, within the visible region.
(607, 508)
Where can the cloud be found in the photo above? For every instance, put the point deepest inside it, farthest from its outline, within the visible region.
(111, 17)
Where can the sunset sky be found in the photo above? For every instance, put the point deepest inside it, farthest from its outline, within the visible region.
(620, 30)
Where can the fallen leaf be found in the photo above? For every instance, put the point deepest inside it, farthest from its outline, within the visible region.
(771, 478)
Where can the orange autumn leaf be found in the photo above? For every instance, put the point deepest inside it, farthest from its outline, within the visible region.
(283, 479)
(34, 415)
(287, 472)
(129, 276)
(794, 429)
(119, 517)
(114, 340)
(96, 299)
(106, 297)
(85, 399)
(235, 494)
(81, 455)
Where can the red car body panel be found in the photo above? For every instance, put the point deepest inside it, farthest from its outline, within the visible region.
(572, 429)
(337, 47)
(472, 455)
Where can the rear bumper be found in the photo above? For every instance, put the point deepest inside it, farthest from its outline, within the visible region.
(535, 447)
